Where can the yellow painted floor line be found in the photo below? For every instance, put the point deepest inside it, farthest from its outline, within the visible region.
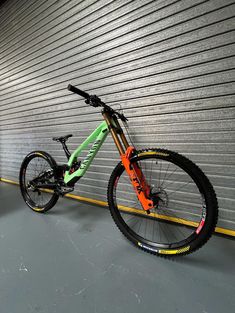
(8, 181)
(220, 230)
(102, 203)
(225, 231)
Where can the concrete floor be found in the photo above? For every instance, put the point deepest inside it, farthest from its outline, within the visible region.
(73, 259)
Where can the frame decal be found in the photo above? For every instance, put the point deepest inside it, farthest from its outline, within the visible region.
(98, 136)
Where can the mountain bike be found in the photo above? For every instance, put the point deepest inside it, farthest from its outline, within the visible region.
(160, 200)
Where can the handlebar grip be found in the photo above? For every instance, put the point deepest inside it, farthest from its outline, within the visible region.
(78, 91)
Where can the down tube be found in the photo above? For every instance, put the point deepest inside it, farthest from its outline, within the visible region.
(98, 137)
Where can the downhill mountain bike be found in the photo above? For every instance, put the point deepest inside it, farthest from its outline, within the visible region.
(161, 201)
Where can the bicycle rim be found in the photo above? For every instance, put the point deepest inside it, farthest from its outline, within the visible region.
(179, 213)
(37, 197)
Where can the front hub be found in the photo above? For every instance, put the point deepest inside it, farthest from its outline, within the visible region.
(159, 196)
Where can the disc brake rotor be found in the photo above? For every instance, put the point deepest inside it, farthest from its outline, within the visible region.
(159, 196)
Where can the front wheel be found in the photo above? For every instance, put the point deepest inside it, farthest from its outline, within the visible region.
(37, 168)
(185, 211)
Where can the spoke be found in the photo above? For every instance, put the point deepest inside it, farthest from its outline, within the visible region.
(185, 184)
(45, 166)
(169, 177)
(155, 229)
(160, 174)
(139, 226)
(36, 167)
(173, 214)
(145, 226)
(42, 198)
(178, 227)
(34, 197)
(168, 231)
(137, 221)
(150, 178)
(167, 186)
(165, 232)
(165, 173)
(41, 164)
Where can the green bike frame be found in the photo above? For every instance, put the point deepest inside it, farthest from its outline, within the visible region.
(98, 136)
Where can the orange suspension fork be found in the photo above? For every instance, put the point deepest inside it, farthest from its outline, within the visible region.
(133, 170)
(137, 179)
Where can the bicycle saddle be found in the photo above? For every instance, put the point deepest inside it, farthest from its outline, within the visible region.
(62, 138)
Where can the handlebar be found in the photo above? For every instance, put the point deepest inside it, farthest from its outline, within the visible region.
(78, 91)
(95, 101)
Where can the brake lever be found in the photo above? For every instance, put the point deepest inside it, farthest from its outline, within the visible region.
(94, 101)
(122, 117)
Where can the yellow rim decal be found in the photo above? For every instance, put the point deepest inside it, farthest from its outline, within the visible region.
(37, 209)
(174, 251)
(152, 153)
(42, 155)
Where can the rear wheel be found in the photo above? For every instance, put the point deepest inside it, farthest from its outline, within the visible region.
(185, 211)
(36, 169)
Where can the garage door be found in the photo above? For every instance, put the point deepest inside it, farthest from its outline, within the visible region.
(169, 65)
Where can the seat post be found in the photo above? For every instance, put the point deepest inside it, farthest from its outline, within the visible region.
(63, 140)
(68, 154)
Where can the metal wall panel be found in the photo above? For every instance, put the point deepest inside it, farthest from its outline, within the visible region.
(169, 64)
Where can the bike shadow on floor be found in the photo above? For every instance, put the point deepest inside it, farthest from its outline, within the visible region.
(75, 209)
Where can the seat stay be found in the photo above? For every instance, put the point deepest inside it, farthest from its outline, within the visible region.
(98, 136)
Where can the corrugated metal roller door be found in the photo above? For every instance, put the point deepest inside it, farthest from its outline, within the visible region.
(169, 64)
